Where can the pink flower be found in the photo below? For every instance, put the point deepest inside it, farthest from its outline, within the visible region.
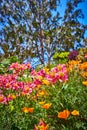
(85, 56)
(27, 90)
(19, 68)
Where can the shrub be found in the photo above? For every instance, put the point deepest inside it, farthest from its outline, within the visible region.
(73, 55)
(61, 57)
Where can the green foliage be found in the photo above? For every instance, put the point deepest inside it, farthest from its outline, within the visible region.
(61, 57)
(6, 62)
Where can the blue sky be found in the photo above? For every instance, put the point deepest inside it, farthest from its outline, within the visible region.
(83, 6)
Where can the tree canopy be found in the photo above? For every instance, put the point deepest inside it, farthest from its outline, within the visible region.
(34, 29)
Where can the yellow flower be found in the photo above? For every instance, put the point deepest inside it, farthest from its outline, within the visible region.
(46, 70)
(47, 105)
(41, 103)
(75, 113)
(42, 93)
(64, 114)
(52, 74)
(39, 77)
(25, 109)
(46, 82)
(84, 83)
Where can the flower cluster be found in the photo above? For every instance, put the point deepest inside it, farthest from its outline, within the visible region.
(83, 68)
(18, 68)
(43, 95)
(42, 77)
(73, 55)
(46, 76)
(8, 82)
(73, 65)
(66, 113)
(26, 110)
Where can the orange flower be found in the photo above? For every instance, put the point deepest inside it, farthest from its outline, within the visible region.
(83, 65)
(44, 127)
(75, 113)
(30, 110)
(64, 114)
(1, 98)
(41, 126)
(73, 64)
(84, 83)
(38, 86)
(26, 110)
(47, 105)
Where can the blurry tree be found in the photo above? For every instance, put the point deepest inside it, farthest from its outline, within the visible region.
(32, 28)
(14, 15)
(71, 32)
(29, 28)
(43, 27)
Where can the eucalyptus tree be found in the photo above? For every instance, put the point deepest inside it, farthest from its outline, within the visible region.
(14, 17)
(45, 20)
(32, 28)
(29, 28)
(71, 33)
